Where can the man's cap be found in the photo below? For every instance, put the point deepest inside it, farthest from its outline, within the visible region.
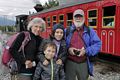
(78, 12)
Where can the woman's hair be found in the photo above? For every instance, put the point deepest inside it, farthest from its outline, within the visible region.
(50, 44)
(37, 20)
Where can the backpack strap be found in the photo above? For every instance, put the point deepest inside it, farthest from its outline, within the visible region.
(88, 30)
(68, 31)
(25, 42)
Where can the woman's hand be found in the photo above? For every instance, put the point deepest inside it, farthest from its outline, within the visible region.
(28, 64)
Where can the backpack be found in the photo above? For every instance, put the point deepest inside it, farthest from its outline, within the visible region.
(91, 58)
(7, 58)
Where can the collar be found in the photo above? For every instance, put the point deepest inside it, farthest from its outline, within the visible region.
(84, 28)
(80, 28)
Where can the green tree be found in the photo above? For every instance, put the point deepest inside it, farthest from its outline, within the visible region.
(51, 4)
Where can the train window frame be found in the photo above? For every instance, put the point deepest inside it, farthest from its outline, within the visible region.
(110, 24)
(71, 20)
(61, 21)
(54, 21)
(92, 18)
(48, 22)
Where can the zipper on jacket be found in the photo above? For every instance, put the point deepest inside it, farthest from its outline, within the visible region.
(51, 69)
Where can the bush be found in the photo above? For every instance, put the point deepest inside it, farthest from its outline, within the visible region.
(7, 28)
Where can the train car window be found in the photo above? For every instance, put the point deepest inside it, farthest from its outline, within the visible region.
(92, 13)
(61, 19)
(69, 19)
(54, 20)
(109, 11)
(48, 21)
(92, 18)
(54, 23)
(109, 16)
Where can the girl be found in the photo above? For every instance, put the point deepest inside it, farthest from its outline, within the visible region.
(57, 36)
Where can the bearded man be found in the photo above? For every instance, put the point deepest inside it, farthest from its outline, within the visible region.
(82, 42)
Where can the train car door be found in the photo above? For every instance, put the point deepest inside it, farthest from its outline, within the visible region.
(108, 29)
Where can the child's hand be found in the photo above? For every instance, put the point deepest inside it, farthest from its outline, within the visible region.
(59, 61)
(45, 62)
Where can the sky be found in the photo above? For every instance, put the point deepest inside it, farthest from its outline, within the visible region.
(18, 7)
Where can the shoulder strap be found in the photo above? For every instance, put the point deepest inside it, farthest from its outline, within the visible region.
(69, 30)
(27, 38)
(25, 42)
(88, 31)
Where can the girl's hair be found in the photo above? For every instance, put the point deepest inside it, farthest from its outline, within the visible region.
(50, 44)
(37, 21)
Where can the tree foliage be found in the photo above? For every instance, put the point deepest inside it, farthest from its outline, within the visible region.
(7, 28)
(51, 4)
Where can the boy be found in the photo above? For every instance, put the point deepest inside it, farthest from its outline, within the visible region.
(52, 71)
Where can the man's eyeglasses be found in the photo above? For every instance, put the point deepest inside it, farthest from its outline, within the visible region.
(78, 15)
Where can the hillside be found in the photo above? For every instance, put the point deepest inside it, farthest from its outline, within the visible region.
(6, 22)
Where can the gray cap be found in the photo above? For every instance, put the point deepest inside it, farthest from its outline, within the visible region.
(78, 12)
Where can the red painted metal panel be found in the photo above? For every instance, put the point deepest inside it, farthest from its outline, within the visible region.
(117, 47)
(104, 41)
(111, 42)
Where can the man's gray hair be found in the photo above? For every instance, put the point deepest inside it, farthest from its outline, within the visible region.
(37, 20)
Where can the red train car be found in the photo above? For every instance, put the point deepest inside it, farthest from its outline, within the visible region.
(102, 15)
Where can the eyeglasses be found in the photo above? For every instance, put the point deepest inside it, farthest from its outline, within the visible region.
(78, 15)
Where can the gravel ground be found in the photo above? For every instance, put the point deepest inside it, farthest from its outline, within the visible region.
(101, 72)
(104, 71)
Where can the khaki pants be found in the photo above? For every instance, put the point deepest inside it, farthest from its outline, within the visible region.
(21, 77)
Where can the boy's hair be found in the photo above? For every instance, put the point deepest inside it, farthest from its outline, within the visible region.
(50, 44)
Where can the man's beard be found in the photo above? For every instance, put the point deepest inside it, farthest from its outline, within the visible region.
(78, 23)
